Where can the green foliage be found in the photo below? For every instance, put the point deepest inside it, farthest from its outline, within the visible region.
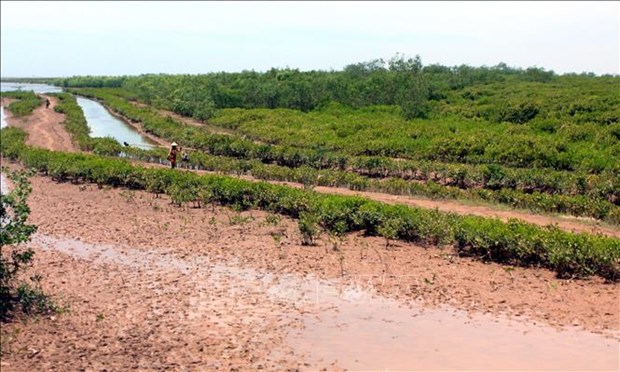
(501, 185)
(26, 102)
(75, 122)
(308, 228)
(518, 151)
(514, 242)
(518, 114)
(14, 259)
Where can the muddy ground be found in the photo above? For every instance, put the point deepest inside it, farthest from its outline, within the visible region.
(44, 127)
(120, 309)
(150, 286)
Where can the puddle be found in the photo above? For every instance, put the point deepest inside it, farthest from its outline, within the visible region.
(103, 124)
(376, 334)
(354, 329)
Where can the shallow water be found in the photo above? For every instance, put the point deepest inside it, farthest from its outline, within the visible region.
(103, 124)
(358, 330)
(37, 88)
(99, 120)
(378, 334)
(2, 118)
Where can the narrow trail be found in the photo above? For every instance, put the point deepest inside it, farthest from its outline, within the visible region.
(567, 223)
(45, 130)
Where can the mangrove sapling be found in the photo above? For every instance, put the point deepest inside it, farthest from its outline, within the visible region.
(308, 228)
(364, 247)
(213, 222)
(389, 230)
(335, 239)
(341, 261)
(272, 219)
(277, 239)
(15, 294)
(128, 196)
(430, 281)
(238, 219)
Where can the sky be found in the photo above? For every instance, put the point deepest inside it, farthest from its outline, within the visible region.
(55, 39)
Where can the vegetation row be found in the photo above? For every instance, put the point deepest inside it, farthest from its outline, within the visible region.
(514, 242)
(26, 102)
(601, 187)
(401, 108)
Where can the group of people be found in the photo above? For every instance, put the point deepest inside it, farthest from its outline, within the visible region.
(172, 155)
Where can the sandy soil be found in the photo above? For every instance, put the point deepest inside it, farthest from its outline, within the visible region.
(565, 222)
(45, 130)
(44, 127)
(151, 286)
(124, 313)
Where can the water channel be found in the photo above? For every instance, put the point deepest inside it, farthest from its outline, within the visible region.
(357, 330)
(98, 119)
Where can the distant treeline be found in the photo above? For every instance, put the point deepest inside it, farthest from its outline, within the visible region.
(400, 81)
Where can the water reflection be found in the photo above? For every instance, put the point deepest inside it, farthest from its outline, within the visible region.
(103, 124)
(37, 88)
(358, 330)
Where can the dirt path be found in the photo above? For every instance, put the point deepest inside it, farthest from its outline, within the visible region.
(151, 286)
(44, 127)
(567, 223)
(45, 130)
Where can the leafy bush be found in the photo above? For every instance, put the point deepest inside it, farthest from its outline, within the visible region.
(26, 102)
(16, 295)
(515, 242)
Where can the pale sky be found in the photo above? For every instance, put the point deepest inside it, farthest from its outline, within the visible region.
(129, 38)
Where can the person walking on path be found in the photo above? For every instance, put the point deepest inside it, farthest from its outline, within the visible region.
(47, 103)
(172, 155)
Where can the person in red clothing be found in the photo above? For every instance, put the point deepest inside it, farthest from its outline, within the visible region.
(172, 155)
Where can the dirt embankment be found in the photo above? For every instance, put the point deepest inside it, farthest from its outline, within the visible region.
(567, 223)
(45, 130)
(564, 222)
(44, 127)
(160, 295)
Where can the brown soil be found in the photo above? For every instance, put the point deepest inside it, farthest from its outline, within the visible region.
(128, 315)
(565, 222)
(159, 295)
(45, 130)
(44, 127)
